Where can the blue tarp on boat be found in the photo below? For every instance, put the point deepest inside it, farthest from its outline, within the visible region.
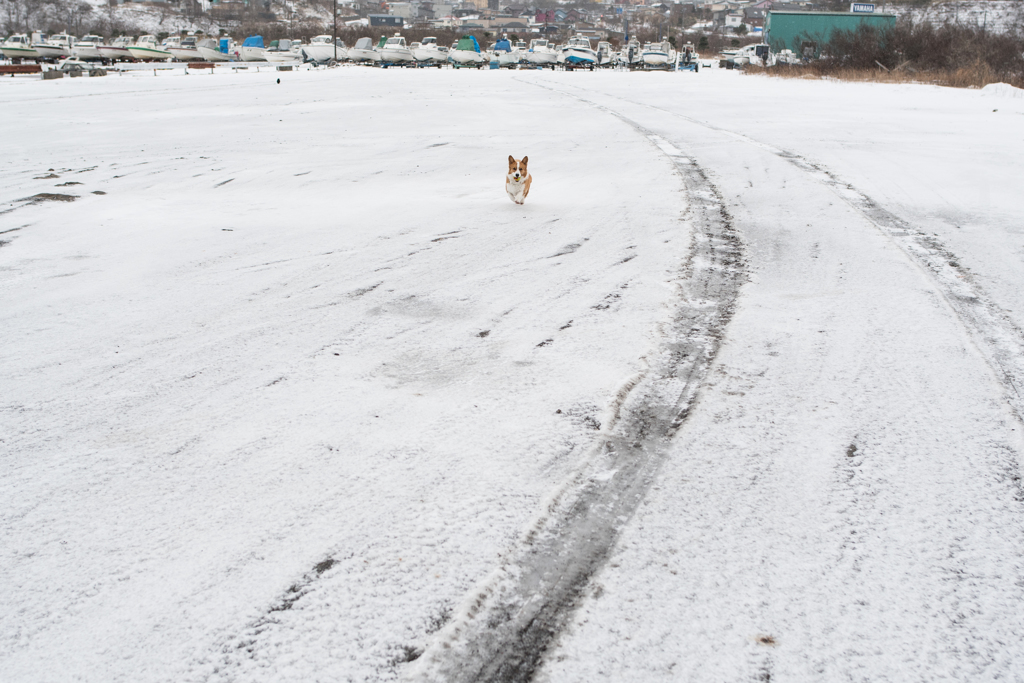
(253, 41)
(503, 46)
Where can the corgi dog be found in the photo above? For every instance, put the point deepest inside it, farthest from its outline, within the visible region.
(517, 182)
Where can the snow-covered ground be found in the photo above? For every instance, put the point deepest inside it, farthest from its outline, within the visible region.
(291, 391)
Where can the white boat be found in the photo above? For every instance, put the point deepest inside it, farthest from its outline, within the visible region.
(252, 49)
(759, 54)
(521, 49)
(631, 53)
(363, 51)
(605, 56)
(18, 47)
(541, 53)
(117, 50)
(504, 53)
(656, 55)
(687, 58)
(86, 49)
(787, 56)
(430, 51)
(209, 51)
(466, 52)
(184, 50)
(578, 52)
(146, 49)
(280, 52)
(322, 50)
(55, 47)
(395, 51)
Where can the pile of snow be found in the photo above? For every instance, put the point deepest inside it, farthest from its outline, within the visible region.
(1002, 90)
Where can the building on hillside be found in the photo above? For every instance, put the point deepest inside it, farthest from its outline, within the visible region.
(805, 33)
(753, 16)
(733, 19)
(385, 20)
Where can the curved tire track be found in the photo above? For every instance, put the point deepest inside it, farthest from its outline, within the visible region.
(999, 339)
(505, 626)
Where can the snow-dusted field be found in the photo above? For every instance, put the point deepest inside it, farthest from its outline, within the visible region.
(291, 391)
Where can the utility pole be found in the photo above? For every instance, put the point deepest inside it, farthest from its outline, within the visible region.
(334, 22)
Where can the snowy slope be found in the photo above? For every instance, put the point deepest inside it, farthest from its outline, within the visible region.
(993, 15)
(284, 400)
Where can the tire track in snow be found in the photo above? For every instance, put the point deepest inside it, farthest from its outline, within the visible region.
(504, 626)
(998, 338)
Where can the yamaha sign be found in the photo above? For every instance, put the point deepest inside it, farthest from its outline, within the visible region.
(862, 8)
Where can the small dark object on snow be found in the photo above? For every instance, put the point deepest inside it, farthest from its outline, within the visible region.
(321, 567)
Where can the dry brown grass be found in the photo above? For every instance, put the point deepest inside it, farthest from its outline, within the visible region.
(955, 55)
(976, 75)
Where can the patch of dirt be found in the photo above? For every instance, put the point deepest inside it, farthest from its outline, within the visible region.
(50, 197)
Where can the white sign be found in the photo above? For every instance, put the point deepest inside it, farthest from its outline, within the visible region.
(862, 8)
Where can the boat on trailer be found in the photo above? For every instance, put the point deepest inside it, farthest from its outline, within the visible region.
(577, 52)
(252, 49)
(117, 50)
(322, 50)
(363, 51)
(395, 51)
(209, 50)
(466, 53)
(55, 47)
(430, 51)
(87, 49)
(541, 53)
(18, 46)
(146, 49)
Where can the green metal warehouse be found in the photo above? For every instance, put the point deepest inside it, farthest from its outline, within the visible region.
(811, 30)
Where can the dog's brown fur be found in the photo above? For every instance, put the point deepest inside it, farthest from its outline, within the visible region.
(518, 179)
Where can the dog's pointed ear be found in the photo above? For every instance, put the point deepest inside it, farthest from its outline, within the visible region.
(525, 160)
(511, 159)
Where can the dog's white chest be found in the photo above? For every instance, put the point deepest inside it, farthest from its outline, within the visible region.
(515, 188)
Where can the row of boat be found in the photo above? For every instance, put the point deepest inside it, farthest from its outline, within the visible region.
(93, 48)
(576, 52)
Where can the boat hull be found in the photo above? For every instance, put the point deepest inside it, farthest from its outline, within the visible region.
(115, 54)
(86, 53)
(323, 53)
(507, 58)
(578, 56)
(211, 55)
(149, 54)
(360, 55)
(426, 54)
(465, 57)
(282, 56)
(541, 57)
(19, 52)
(252, 54)
(655, 59)
(396, 55)
(51, 51)
(184, 54)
